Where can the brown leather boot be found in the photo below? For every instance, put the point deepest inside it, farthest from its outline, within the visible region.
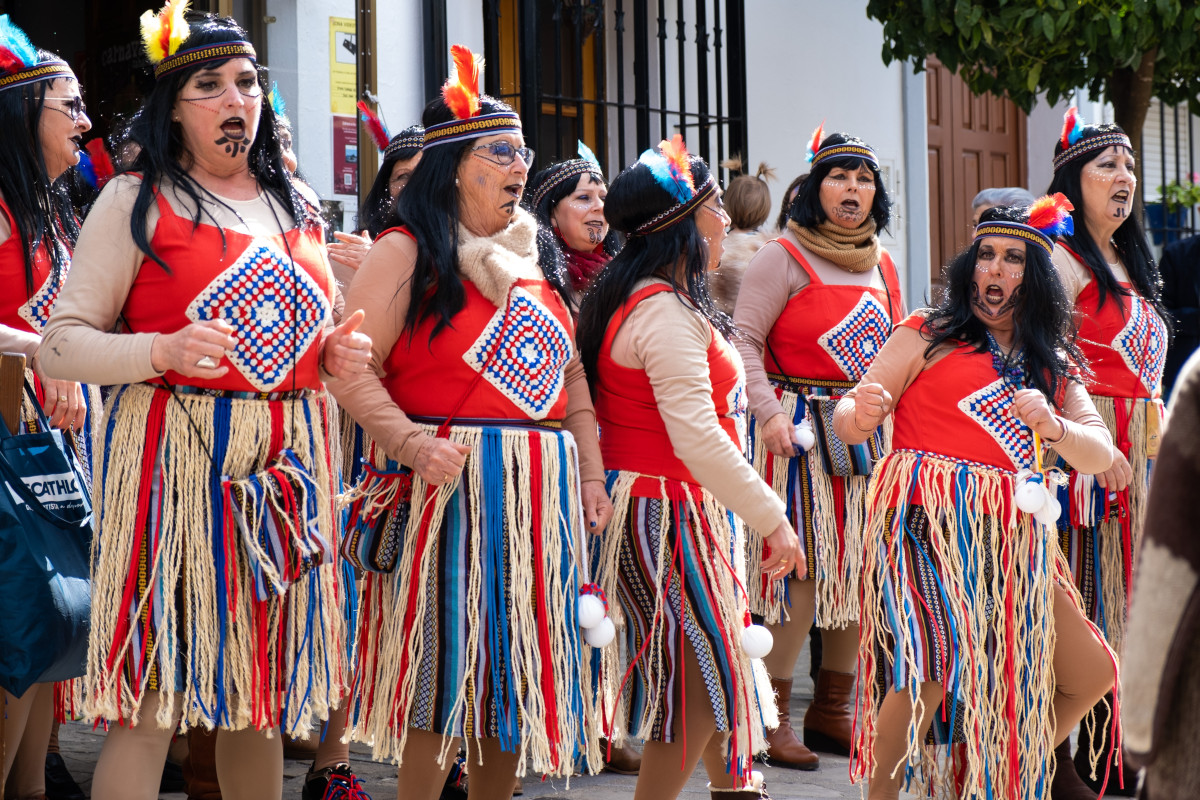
(784, 748)
(1067, 785)
(625, 760)
(829, 721)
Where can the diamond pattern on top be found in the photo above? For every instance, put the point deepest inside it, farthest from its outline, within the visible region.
(531, 354)
(991, 407)
(854, 342)
(36, 310)
(1142, 344)
(275, 308)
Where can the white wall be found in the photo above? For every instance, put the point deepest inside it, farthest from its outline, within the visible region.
(1042, 128)
(813, 60)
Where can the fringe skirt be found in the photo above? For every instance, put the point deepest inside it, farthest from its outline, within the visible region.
(958, 588)
(474, 634)
(673, 558)
(201, 590)
(828, 512)
(1100, 534)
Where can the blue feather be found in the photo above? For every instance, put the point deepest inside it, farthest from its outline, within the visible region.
(14, 39)
(586, 154)
(277, 104)
(660, 168)
(87, 170)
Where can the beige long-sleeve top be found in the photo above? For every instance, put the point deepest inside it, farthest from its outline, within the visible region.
(18, 341)
(381, 289)
(1085, 444)
(1075, 276)
(771, 281)
(669, 341)
(79, 342)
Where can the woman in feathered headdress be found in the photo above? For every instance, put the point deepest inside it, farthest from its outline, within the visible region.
(1110, 275)
(217, 599)
(815, 305)
(38, 93)
(482, 471)
(970, 622)
(400, 158)
(575, 242)
(671, 406)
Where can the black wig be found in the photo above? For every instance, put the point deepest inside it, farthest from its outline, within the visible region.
(1129, 239)
(806, 209)
(160, 142)
(1043, 322)
(41, 211)
(377, 205)
(635, 197)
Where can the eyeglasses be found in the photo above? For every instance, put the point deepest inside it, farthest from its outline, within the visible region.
(504, 153)
(75, 106)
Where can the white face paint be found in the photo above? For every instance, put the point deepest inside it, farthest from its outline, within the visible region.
(847, 195)
(999, 276)
(579, 217)
(1108, 183)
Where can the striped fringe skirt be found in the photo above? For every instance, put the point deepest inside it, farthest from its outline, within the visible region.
(673, 558)
(958, 589)
(827, 511)
(214, 571)
(474, 634)
(1102, 533)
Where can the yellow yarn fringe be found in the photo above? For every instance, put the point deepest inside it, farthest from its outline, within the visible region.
(760, 711)
(184, 561)
(837, 584)
(384, 723)
(1035, 565)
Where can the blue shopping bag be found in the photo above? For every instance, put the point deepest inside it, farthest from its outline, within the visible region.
(45, 539)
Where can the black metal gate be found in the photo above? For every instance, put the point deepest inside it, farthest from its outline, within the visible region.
(573, 78)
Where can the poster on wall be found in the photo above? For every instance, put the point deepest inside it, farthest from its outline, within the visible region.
(345, 155)
(343, 65)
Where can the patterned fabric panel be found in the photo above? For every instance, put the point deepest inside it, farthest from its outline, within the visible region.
(36, 310)
(276, 309)
(991, 408)
(1142, 344)
(854, 341)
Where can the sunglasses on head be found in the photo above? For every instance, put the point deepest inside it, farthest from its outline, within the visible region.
(504, 153)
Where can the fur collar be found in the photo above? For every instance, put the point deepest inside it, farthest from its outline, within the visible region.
(494, 263)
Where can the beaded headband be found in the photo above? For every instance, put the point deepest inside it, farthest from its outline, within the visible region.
(19, 63)
(566, 170)
(675, 213)
(817, 154)
(457, 130)
(1075, 145)
(1049, 218)
(404, 142)
(213, 52)
(165, 32)
(460, 93)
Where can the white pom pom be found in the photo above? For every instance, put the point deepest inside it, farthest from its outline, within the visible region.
(600, 635)
(1030, 497)
(1049, 513)
(756, 779)
(591, 611)
(805, 436)
(757, 641)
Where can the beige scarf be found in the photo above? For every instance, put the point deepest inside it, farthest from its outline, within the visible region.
(854, 250)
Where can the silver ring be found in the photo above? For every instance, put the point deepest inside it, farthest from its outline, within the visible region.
(208, 362)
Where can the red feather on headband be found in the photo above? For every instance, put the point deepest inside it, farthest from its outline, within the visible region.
(461, 93)
(1072, 127)
(375, 126)
(675, 151)
(815, 144)
(101, 164)
(1050, 214)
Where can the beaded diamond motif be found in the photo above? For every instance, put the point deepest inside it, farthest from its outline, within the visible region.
(991, 407)
(532, 349)
(1142, 344)
(36, 311)
(854, 342)
(275, 308)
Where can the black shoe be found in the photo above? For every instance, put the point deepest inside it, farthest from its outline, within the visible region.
(59, 783)
(333, 783)
(172, 779)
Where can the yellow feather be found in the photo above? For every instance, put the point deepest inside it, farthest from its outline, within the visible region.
(164, 32)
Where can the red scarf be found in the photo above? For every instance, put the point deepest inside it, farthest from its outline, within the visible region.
(582, 266)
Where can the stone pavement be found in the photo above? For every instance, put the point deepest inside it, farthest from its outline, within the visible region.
(81, 745)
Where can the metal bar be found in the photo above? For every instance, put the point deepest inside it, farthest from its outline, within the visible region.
(735, 29)
(641, 72)
(491, 46)
(530, 82)
(662, 73)
(600, 146)
(720, 86)
(557, 19)
(681, 48)
(1175, 120)
(437, 58)
(579, 120)
(1191, 166)
(702, 79)
(619, 27)
(368, 81)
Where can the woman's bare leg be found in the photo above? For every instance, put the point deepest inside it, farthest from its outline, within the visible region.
(132, 757)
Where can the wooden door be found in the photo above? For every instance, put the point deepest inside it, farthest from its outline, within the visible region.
(975, 142)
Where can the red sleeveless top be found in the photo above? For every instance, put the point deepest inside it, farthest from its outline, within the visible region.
(524, 378)
(632, 434)
(960, 408)
(832, 331)
(1124, 341)
(278, 307)
(18, 308)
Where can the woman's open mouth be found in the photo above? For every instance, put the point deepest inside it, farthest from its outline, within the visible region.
(77, 141)
(994, 295)
(515, 190)
(1121, 196)
(234, 128)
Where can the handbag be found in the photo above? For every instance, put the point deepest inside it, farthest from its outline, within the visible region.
(45, 544)
(376, 509)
